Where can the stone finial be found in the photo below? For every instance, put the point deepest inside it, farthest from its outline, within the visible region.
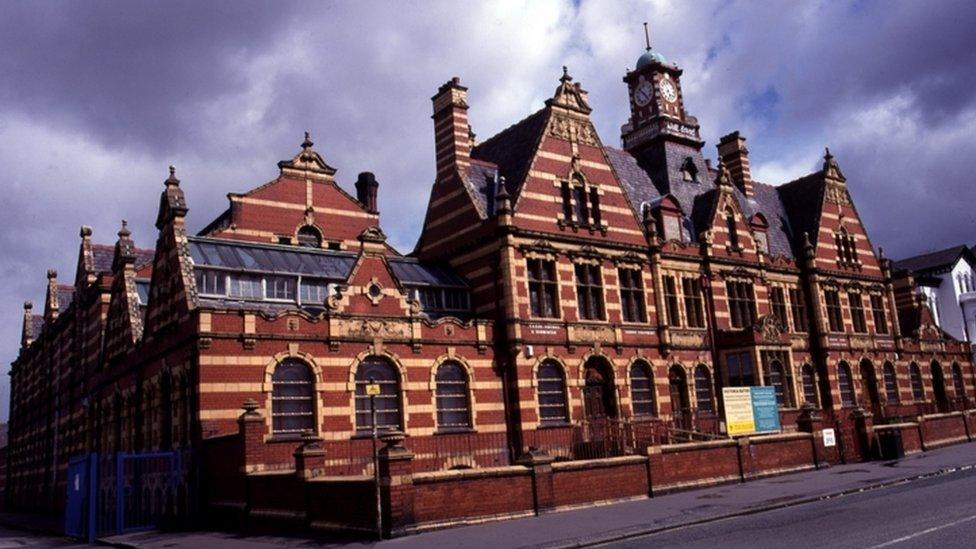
(28, 305)
(85, 232)
(723, 178)
(250, 407)
(830, 167)
(172, 180)
(51, 274)
(307, 143)
(565, 77)
(503, 201)
(124, 231)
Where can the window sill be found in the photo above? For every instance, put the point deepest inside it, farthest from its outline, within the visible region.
(458, 431)
(563, 425)
(283, 438)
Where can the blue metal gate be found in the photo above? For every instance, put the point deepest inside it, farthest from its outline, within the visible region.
(122, 492)
(79, 520)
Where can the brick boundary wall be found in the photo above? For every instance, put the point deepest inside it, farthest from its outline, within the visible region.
(305, 497)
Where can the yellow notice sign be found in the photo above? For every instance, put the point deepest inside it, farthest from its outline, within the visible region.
(739, 419)
(372, 389)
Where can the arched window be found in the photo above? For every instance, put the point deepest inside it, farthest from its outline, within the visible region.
(703, 389)
(382, 372)
(957, 382)
(809, 380)
(777, 379)
(309, 237)
(890, 382)
(551, 389)
(453, 406)
(730, 226)
(292, 398)
(846, 386)
(915, 374)
(642, 389)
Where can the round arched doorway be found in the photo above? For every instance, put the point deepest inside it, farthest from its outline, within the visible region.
(678, 390)
(599, 393)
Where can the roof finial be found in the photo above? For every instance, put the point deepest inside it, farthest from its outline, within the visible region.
(827, 154)
(565, 77)
(172, 180)
(124, 231)
(647, 37)
(307, 144)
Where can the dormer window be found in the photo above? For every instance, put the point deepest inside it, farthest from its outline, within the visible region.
(309, 237)
(689, 172)
(581, 202)
(730, 226)
(760, 229)
(846, 248)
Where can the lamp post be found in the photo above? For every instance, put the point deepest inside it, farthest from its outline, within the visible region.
(373, 389)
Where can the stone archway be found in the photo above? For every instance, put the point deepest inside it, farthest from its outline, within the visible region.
(599, 392)
(869, 388)
(680, 402)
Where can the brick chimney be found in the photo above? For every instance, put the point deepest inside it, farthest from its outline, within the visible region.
(366, 187)
(452, 134)
(733, 153)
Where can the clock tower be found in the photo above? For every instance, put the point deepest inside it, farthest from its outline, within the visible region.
(657, 110)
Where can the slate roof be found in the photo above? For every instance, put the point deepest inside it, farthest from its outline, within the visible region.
(66, 294)
(513, 148)
(413, 273)
(801, 200)
(103, 254)
(938, 260)
(481, 180)
(696, 198)
(766, 200)
(37, 324)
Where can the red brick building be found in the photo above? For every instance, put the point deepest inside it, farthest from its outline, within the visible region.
(565, 298)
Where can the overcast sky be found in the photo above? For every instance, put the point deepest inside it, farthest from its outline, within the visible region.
(98, 98)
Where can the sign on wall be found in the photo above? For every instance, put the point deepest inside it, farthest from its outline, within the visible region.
(829, 438)
(750, 410)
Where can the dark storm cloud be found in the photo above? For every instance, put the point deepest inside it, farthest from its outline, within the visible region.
(129, 72)
(97, 98)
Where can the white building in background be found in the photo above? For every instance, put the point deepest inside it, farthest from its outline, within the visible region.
(947, 279)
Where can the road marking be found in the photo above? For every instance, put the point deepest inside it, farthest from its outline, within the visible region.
(924, 532)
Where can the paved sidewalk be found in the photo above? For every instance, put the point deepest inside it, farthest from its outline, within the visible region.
(606, 522)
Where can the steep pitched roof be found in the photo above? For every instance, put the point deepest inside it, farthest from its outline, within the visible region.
(766, 200)
(937, 260)
(695, 199)
(480, 181)
(802, 200)
(513, 149)
(66, 295)
(37, 324)
(103, 255)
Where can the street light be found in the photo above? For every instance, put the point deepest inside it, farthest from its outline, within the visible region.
(373, 389)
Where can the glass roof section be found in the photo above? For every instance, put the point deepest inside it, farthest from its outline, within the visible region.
(411, 273)
(246, 256)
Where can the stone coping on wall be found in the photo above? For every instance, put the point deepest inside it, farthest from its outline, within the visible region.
(597, 463)
(339, 479)
(778, 437)
(467, 474)
(904, 425)
(944, 415)
(690, 446)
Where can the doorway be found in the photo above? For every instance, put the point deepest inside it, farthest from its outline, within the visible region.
(938, 387)
(599, 393)
(678, 389)
(870, 388)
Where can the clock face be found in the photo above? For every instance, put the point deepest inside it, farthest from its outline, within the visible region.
(643, 93)
(668, 92)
